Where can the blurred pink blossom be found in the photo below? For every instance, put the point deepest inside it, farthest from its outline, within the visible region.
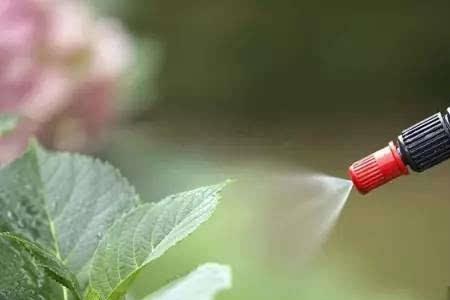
(59, 70)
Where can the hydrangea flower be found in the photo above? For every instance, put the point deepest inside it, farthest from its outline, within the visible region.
(60, 67)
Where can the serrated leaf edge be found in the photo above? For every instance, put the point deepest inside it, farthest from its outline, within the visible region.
(218, 190)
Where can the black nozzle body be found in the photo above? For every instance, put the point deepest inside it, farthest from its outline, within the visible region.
(426, 143)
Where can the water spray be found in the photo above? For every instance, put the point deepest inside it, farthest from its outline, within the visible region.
(418, 148)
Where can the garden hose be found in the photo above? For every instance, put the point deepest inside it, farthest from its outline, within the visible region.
(418, 148)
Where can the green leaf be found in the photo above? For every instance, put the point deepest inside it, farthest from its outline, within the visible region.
(22, 275)
(202, 284)
(64, 202)
(88, 225)
(22, 201)
(42, 259)
(91, 294)
(8, 123)
(84, 197)
(145, 234)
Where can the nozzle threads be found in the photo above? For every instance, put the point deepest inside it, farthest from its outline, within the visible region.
(427, 143)
(377, 169)
(366, 174)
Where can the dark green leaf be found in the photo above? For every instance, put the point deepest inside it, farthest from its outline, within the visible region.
(64, 202)
(22, 277)
(53, 266)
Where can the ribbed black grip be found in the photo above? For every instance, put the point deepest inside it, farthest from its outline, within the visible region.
(427, 143)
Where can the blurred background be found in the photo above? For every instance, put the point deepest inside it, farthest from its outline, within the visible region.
(179, 94)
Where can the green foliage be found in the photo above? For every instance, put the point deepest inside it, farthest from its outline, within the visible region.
(21, 277)
(42, 260)
(145, 234)
(77, 225)
(7, 123)
(201, 284)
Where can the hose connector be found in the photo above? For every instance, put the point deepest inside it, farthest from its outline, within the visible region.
(427, 143)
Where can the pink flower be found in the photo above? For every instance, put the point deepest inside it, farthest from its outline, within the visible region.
(59, 70)
(22, 28)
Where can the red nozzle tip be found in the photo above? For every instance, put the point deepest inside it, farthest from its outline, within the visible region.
(377, 169)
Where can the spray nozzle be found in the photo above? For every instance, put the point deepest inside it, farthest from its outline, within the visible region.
(420, 147)
(377, 169)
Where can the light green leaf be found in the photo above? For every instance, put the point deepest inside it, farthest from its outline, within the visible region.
(22, 275)
(91, 294)
(84, 198)
(8, 123)
(64, 202)
(202, 284)
(145, 234)
(46, 261)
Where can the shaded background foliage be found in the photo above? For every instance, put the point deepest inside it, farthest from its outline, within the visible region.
(250, 55)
